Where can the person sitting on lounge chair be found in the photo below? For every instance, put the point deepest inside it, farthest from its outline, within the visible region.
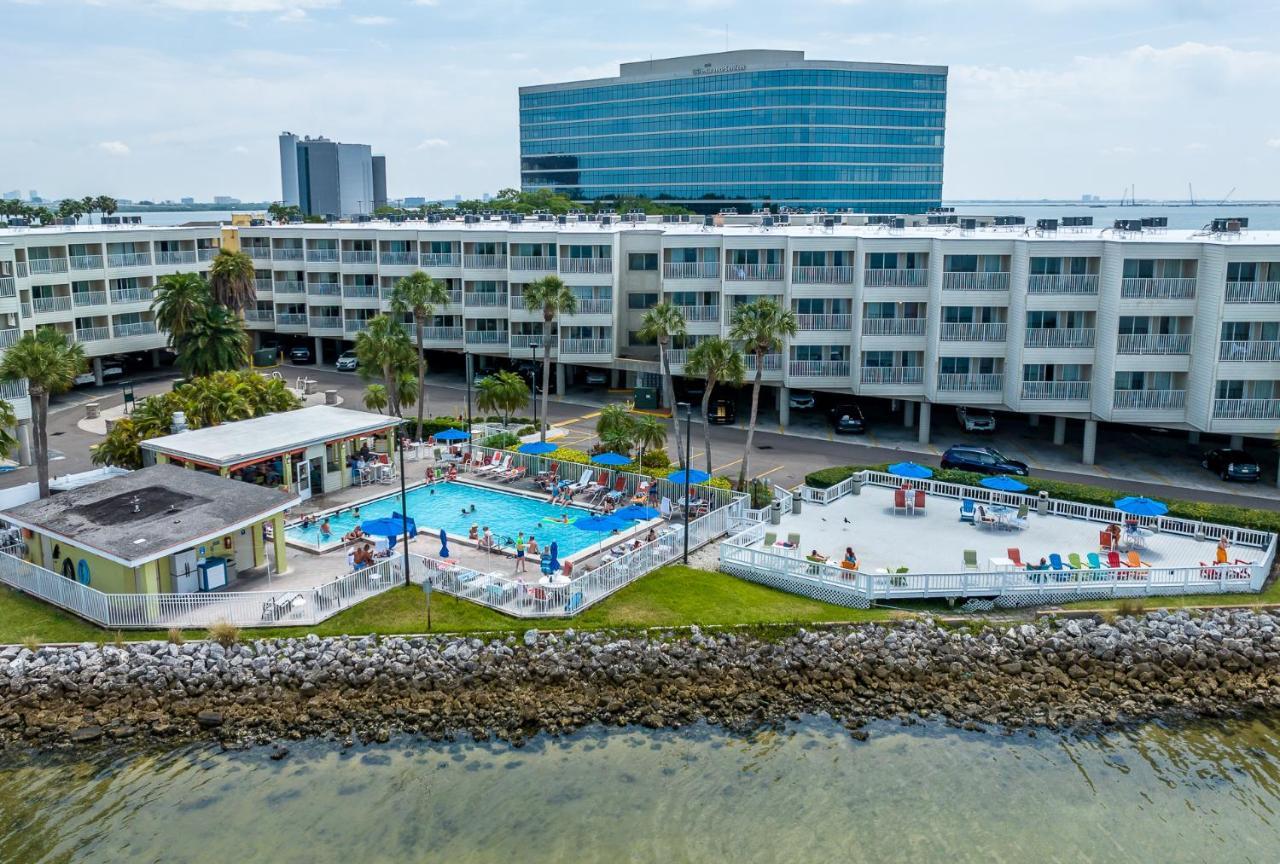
(849, 557)
(1223, 553)
(817, 557)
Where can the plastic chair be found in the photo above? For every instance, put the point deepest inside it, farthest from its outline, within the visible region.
(574, 602)
(919, 502)
(971, 559)
(1113, 559)
(1095, 563)
(966, 510)
(794, 540)
(1056, 562)
(899, 500)
(1014, 554)
(1076, 563)
(769, 539)
(1134, 561)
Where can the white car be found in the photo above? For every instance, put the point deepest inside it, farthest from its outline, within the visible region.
(976, 419)
(109, 371)
(801, 399)
(347, 362)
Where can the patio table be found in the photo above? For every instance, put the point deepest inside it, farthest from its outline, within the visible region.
(1135, 538)
(554, 581)
(1003, 564)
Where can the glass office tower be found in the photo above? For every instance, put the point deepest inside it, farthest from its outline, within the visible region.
(742, 129)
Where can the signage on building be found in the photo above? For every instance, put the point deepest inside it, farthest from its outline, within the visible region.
(708, 69)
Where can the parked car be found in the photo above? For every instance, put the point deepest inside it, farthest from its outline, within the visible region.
(976, 419)
(722, 411)
(347, 362)
(597, 376)
(110, 371)
(802, 400)
(1232, 465)
(847, 419)
(300, 354)
(983, 460)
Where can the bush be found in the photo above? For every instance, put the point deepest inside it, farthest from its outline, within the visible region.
(224, 633)
(570, 455)
(761, 494)
(501, 441)
(176, 637)
(720, 483)
(526, 430)
(656, 459)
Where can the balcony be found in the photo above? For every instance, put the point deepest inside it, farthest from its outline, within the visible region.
(8, 286)
(398, 259)
(1253, 292)
(893, 326)
(983, 382)
(322, 256)
(484, 298)
(975, 281)
(486, 337)
(290, 286)
(179, 256)
(772, 363)
(364, 292)
(536, 263)
(92, 334)
(839, 322)
(354, 325)
(287, 253)
(13, 389)
(586, 346)
(525, 341)
(604, 306)
(263, 286)
(1059, 337)
(129, 259)
(86, 262)
(135, 328)
(913, 278)
(20, 269)
(25, 308)
(291, 319)
(324, 289)
(1246, 409)
(822, 275)
(1083, 283)
(753, 272)
(440, 259)
(131, 295)
(700, 314)
(259, 316)
(691, 270)
(484, 262)
(1249, 352)
(9, 336)
(818, 369)
(324, 322)
(59, 303)
(953, 331)
(357, 256)
(258, 253)
(1157, 400)
(1056, 390)
(89, 298)
(586, 265)
(207, 253)
(1158, 289)
(677, 357)
(892, 374)
(1153, 343)
(441, 334)
(38, 266)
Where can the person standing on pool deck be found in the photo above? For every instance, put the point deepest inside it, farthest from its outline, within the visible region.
(520, 563)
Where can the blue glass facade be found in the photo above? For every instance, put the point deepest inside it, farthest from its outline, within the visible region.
(821, 135)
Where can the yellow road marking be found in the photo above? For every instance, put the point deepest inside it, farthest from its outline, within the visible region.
(770, 471)
(728, 464)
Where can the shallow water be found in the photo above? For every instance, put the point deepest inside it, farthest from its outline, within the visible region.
(810, 793)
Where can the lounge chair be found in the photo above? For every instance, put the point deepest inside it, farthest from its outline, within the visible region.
(769, 539)
(1113, 559)
(971, 559)
(985, 519)
(1056, 562)
(1095, 563)
(899, 500)
(1134, 561)
(1076, 563)
(575, 601)
(1105, 541)
(919, 502)
(1020, 520)
(496, 466)
(552, 470)
(619, 487)
(642, 493)
(966, 510)
(664, 509)
(1014, 554)
(583, 482)
(513, 474)
(793, 540)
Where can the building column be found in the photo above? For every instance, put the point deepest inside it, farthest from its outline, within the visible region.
(908, 414)
(97, 371)
(784, 406)
(287, 465)
(560, 377)
(24, 442)
(1033, 421)
(277, 539)
(319, 349)
(926, 411)
(259, 544)
(1237, 442)
(615, 378)
(1090, 448)
(155, 355)
(1059, 430)
(1193, 437)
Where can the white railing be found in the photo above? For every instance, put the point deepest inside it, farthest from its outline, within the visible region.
(207, 253)
(691, 270)
(700, 314)
(441, 334)
(8, 286)
(1153, 343)
(975, 281)
(263, 286)
(1158, 289)
(822, 275)
(131, 295)
(287, 253)
(355, 325)
(586, 346)
(47, 265)
(586, 265)
(485, 262)
(1246, 409)
(914, 278)
(291, 319)
(177, 256)
(58, 303)
(440, 259)
(86, 262)
(129, 259)
(677, 357)
(486, 337)
(259, 315)
(324, 289)
(1253, 292)
(984, 382)
(290, 286)
(1062, 390)
(526, 340)
(964, 331)
(1160, 400)
(753, 272)
(484, 298)
(1252, 351)
(357, 256)
(892, 375)
(1059, 337)
(25, 308)
(772, 362)
(322, 256)
(13, 389)
(324, 322)
(258, 253)
(9, 336)
(136, 328)
(92, 334)
(360, 291)
(398, 258)
(598, 306)
(20, 269)
(893, 326)
(838, 321)
(818, 369)
(1061, 283)
(538, 263)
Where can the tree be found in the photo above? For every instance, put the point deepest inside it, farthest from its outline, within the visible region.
(106, 205)
(284, 212)
(554, 298)
(269, 395)
(659, 324)
(214, 341)
(179, 299)
(121, 447)
(759, 327)
(8, 422)
(613, 418)
(43, 215)
(504, 392)
(383, 349)
(231, 276)
(649, 433)
(714, 360)
(407, 390)
(418, 294)
(49, 365)
(218, 398)
(70, 208)
(375, 397)
(90, 205)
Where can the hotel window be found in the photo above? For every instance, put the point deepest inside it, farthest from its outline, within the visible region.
(642, 261)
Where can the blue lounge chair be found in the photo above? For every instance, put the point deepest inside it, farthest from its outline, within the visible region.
(574, 602)
(966, 510)
(1057, 564)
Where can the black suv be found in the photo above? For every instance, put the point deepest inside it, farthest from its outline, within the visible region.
(847, 418)
(1232, 465)
(983, 460)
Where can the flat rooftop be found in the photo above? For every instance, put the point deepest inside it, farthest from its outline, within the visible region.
(247, 440)
(149, 513)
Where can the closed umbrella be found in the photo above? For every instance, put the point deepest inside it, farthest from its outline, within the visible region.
(538, 448)
(1141, 506)
(1003, 483)
(610, 459)
(444, 544)
(555, 556)
(600, 523)
(910, 470)
(695, 476)
(636, 511)
(452, 435)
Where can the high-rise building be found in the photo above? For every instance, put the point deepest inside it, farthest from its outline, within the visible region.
(225, 199)
(188, 200)
(742, 128)
(328, 178)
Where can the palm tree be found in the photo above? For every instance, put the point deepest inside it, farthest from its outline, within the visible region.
(554, 298)
(407, 389)
(49, 365)
(231, 277)
(659, 324)
(649, 434)
(105, 204)
(612, 418)
(214, 341)
(269, 395)
(154, 415)
(70, 208)
(218, 398)
(383, 348)
(8, 421)
(504, 392)
(714, 360)
(418, 294)
(90, 205)
(121, 447)
(179, 299)
(375, 397)
(759, 327)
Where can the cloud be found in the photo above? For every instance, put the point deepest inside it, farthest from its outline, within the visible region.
(287, 7)
(1274, 142)
(114, 148)
(372, 20)
(293, 16)
(239, 148)
(432, 144)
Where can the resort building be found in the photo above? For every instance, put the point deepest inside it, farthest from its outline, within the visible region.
(1082, 325)
(742, 129)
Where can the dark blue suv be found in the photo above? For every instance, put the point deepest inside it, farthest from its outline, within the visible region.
(982, 460)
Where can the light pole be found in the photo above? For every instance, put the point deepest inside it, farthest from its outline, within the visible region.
(468, 373)
(688, 425)
(404, 518)
(533, 355)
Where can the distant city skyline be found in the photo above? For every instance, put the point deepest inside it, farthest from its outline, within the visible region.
(1051, 99)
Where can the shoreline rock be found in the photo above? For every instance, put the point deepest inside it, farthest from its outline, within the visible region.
(1055, 675)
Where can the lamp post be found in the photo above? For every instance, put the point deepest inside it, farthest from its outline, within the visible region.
(404, 515)
(468, 373)
(533, 354)
(688, 425)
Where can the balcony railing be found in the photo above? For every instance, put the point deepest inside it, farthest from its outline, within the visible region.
(586, 265)
(20, 269)
(975, 281)
(440, 259)
(1246, 409)
(586, 346)
(753, 272)
(291, 319)
(263, 286)
(59, 303)
(258, 253)
(8, 286)
(1162, 288)
(892, 374)
(691, 270)
(1253, 292)
(484, 298)
(290, 286)
(1059, 337)
(441, 334)
(360, 291)
(131, 295)
(357, 256)
(129, 259)
(1079, 283)
(1165, 400)
(322, 256)
(914, 278)
(259, 315)
(484, 262)
(287, 253)
(1249, 352)
(14, 389)
(600, 306)
(523, 341)
(893, 326)
(822, 275)
(699, 314)
(135, 328)
(177, 256)
(9, 336)
(86, 262)
(47, 265)
(89, 298)
(677, 356)
(487, 337)
(818, 369)
(354, 325)
(1056, 390)
(207, 253)
(324, 322)
(980, 382)
(25, 309)
(324, 289)
(398, 258)
(1153, 343)
(538, 263)
(837, 321)
(772, 363)
(961, 331)
(92, 334)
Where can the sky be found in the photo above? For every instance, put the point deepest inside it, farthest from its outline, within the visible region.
(1047, 98)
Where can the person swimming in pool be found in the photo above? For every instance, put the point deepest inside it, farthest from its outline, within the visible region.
(325, 531)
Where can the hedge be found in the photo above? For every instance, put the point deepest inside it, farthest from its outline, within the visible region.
(1222, 514)
(435, 425)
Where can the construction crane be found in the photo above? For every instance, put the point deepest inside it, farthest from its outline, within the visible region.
(1225, 197)
(1191, 194)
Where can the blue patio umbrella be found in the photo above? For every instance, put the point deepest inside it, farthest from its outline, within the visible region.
(601, 523)
(1003, 483)
(538, 448)
(610, 459)
(1140, 506)
(452, 435)
(910, 470)
(636, 511)
(444, 544)
(388, 526)
(555, 556)
(695, 476)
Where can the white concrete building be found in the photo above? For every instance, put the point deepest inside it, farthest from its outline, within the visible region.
(1176, 329)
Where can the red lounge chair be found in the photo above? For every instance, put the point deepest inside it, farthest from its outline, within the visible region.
(1104, 541)
(919, 503)
(899, 500)
(1014, 554)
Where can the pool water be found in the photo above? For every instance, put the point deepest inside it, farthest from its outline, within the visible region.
(440, 505)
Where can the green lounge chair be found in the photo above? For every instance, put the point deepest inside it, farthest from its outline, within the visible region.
(769, 539)
(971, 559)
(1076, 563)
(794, 539)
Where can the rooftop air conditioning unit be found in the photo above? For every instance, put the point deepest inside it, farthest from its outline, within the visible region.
(896, 222)
(968, 224)
(1127, 225)
(1046, 224)
(708, 221)
(562, 220)
(1155, 221)
(766, 221)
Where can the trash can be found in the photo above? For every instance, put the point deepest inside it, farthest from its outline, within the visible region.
(1042, 503)
(855, 488)
(775, 513)
(645, 398)
(797, 503)
(264, 358)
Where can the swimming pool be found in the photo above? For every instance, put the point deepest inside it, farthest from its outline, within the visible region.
(440, 505)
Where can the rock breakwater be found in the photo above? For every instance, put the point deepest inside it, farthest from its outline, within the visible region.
(1054, 674)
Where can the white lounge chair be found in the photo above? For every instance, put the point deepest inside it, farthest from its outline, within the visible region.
(496, 469)
(664, 509)
(584, 481)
